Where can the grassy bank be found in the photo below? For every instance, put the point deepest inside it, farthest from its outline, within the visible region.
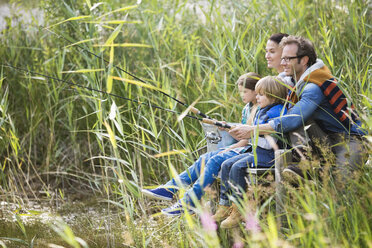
(58, 140)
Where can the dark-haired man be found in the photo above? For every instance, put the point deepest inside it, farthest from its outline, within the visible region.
(316, 96)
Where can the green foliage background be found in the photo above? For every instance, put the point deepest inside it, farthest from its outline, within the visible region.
(53, 136)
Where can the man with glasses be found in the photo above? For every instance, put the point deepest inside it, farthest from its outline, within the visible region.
(316, 98)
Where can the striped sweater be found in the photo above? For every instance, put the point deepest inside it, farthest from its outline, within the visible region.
(320, 75)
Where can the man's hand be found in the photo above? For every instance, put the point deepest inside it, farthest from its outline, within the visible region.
(246, 131)
(241, 132)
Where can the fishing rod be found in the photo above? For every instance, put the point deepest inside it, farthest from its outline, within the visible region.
(204, 120)
(192, 109)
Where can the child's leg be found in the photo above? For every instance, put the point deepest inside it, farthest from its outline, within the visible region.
(237, 176)
(191, 174)
(237, 184)
(225, 174)
(211, 169)
(265, 158)
(238, 172)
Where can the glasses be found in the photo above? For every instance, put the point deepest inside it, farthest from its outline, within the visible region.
(287, 59)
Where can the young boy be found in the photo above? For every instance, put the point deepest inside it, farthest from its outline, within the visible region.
(271, 93)
(212, 161)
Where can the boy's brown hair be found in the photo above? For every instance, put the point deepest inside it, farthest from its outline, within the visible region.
(249, 80)
(273, 87)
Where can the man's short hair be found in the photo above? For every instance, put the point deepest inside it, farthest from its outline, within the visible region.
(273, 87)
(305, 47)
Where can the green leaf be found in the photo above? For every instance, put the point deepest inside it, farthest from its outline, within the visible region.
(83, 71)
(70, 19)
(109, 78)
(124, 45)
(115, 22)
(113, 36)
(88, 3)
(15, 239)
(119, 10)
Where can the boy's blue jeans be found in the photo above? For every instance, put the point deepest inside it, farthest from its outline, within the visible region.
(234, 178)
(212, 165)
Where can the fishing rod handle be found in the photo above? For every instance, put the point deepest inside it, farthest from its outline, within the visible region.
(217, 123)
(197, 112)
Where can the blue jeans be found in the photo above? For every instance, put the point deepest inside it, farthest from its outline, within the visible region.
(234, 171)
(212, 164)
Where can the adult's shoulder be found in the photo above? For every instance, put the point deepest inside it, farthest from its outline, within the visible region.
(286, 79)
(309, 86)
(312, 91)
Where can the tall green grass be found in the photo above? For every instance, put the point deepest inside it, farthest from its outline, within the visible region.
(67, 139)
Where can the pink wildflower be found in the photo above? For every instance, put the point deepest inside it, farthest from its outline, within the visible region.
(208, 222)
(238, 244)
(251, 223)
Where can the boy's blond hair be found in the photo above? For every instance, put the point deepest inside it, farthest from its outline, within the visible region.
(273, 87)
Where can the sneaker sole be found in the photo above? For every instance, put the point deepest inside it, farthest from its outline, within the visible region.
(152, 195)
(178, 214)
(170, 215)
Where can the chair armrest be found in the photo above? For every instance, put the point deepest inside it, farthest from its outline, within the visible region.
(282, 158)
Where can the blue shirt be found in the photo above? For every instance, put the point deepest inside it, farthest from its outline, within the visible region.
(313, 104)
(263, 115)
(246, 112)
